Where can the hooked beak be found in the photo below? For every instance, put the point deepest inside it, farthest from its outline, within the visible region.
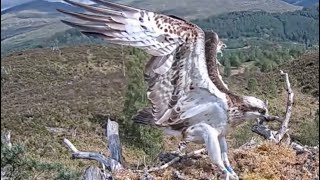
(264, 117)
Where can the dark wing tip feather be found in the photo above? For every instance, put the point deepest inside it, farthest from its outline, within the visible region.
(73, 2)
(95, 9)
(87, 17)
(94, 28)
(74, 24)
(117, 6)
(144, 116)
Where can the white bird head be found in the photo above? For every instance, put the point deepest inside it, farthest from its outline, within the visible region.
(254, 108)
(221, 46)
(214, 36)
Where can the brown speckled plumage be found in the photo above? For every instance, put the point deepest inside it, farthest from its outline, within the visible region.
(177, 67)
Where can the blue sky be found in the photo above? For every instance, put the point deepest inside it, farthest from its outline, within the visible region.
(9, 3)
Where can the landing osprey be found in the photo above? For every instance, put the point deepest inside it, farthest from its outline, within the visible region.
(184, 85)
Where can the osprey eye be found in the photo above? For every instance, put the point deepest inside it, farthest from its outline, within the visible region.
(262, 111)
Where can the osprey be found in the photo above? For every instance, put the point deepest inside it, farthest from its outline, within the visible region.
(184, 85)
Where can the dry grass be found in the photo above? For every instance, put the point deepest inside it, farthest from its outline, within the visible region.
(266, 162)
(73, 90)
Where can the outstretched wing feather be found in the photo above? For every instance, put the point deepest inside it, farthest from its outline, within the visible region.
(173, 43)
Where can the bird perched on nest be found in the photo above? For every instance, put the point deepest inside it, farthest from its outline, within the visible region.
(184, 85)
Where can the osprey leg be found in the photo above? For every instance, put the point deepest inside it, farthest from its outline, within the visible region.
(214, 152)
(224, 155)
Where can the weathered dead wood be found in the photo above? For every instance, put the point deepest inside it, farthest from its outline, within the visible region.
(284, 127)
(277, 136)
(301, 148)
(6, 172)
(111, 164)
(93, 173)
(6, 139)
(114, 144)
(4, 73)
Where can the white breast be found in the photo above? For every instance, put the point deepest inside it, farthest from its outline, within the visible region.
(201, 106)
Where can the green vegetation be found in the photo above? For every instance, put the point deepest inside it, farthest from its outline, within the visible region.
(266, 56)
(309, 132)
(273, 26)
(238, 27)
(66, 38)
(74, 89)
(252, 84)
(15, 165)
(264, 38)
(146, 138)
(303, 72)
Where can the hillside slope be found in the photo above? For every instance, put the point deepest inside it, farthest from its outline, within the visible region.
(303, 72)
(190, 9)
(73, 90)
(304, 77)
(35, 23)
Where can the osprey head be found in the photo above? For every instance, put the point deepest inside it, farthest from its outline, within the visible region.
(254, 108)
(221, 45)
(213, 36)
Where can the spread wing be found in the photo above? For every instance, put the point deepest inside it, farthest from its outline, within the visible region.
(176, 45)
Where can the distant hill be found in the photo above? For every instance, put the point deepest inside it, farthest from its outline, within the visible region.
(37, 23)
(304, 3)
(40, 6)
(282, 26)
(303, 72)
(190, 9)
(184, 8)
(27, 29)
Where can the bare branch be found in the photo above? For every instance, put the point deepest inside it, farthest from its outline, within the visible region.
(115, 148)
(301, 149)
(267, 133)
(6, 139)
(70, 145)
(284, 127)
(111, 164)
